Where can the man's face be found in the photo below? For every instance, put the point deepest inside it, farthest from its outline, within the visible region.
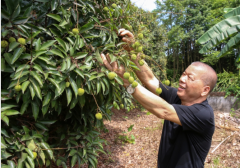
(190, 84)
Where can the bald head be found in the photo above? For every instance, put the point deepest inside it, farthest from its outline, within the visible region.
(210, 76)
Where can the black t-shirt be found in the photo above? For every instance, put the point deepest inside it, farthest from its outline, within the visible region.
(185, 146)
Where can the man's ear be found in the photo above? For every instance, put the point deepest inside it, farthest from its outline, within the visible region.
(206, 90)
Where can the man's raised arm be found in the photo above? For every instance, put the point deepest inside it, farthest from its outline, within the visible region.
(145, 75)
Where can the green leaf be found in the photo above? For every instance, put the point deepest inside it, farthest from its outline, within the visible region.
(42, 155)
(17, 53)
(73, 102)
(32, 91)
(16, 12)
(31, 145)
(30, 161)
(99, 58)
(232, 12)
(36, 87)
(41, 126)
(37, 77)
(6, 106)
(3, 143)
(46, 146)
(54, 16)
(38, 68)
(5, 154)
(74, 86)
(48, 122)
(20, 74)
(219, 28)
(3, 65)
(11, 5)
(98, 86)
(74, 160)
(79, 72)
(54, 4)
(10, 112)
(47, 98)
(37, 54)
(35, 109)
(12, 46)
(22, 67)
(25, 85)
(30, 153)
(119, 80)
(69, 95)
(5, 133)
(11, 164)
(86, 27)
(47, 44)
(62, 43)
(80, 55)
(24, 107)
(45, 109)
(54, 83)
(57, 52)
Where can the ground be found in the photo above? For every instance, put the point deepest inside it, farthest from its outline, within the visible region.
(147, 129)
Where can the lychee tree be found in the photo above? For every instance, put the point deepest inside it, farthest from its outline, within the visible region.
(55, 92)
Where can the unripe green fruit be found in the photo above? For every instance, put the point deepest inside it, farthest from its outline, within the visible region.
(143, 56)
(134, 84)
(167, 82)
(67, 84)
(121, 106)
(75, 31)
(11, 39)
(126, 75)
(139, 49)
(141, 62)
(22, 41)
(105, 9)
(133, 57)
(140, 36)
(137, 44)
(18, 88)
(114, 5)
(34, 155)
(132, 52)
(98, 116)
(130, 79)
(158, 91)
(133, 46)
(111, 75)
(80, 91)
(4, 44)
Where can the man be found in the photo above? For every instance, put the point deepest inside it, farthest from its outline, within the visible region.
(189, 119)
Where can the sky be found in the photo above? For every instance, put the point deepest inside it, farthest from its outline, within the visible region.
(148, 5)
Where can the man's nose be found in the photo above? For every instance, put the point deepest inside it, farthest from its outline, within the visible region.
(183, 78)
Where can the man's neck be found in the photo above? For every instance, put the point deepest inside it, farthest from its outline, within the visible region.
(190, 103)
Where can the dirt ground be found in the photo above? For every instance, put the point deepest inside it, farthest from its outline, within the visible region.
(147, 129)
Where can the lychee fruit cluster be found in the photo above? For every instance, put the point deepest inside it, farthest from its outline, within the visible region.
(158, 91)
(131, 80)
(111, 75)
(11, 39)
(67, 84)
(22, 41)
(75, 31)
(4, 44)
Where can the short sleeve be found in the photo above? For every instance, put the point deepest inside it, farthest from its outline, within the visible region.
(198, 117)
(169, 94)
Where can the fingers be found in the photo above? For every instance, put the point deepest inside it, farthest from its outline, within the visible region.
(105, 62)
(126, 32)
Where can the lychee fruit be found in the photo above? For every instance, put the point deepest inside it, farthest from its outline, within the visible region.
(34, 155)
(67, 84)
(105, 9)
(98, 116)
(137, 44)
(158, 91)
(22, 41)
(140, 36)
(4, 44)
(11, 39)
(133, 57)
(141, 62)
(126, 75)
(167, 82)
(111, 75)
(134, 84)
(18, 88)
(139, 49)
(80, 91)
(114, 5)
(121, 106)
(130, 79)
(75, 31)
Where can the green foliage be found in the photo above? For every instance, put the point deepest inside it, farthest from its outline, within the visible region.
(56, 54)
(127, 138)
